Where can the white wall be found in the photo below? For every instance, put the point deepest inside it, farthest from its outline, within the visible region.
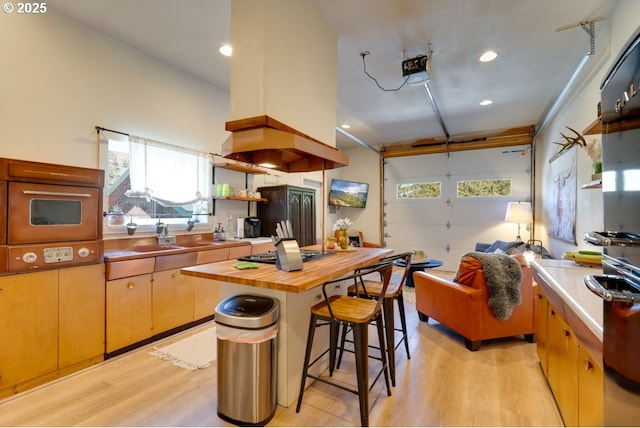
(578, 111)
(61, 78)
(364, 166)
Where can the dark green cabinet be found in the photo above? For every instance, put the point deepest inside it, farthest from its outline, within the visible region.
(296, 204)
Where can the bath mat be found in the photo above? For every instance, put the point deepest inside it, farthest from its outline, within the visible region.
(192, 353)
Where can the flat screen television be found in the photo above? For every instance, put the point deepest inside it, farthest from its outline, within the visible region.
(343, 193)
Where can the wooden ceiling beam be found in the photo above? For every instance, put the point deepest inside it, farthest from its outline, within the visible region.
(511, 137)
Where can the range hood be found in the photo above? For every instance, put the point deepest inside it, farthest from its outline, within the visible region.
(264, 141)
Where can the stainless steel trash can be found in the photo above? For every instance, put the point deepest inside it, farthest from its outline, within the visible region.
(246, 330)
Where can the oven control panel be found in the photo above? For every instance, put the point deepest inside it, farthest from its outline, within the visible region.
(40, 256)
(57, 255)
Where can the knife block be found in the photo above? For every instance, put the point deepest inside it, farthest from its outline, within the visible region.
(288, 255)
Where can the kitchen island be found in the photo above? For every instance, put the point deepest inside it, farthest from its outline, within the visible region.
(296, 292)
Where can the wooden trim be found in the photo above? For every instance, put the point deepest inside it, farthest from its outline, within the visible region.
(457, 147)
(511, 137)
(264, 122)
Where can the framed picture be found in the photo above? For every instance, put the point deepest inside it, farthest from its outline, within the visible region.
(563, 192)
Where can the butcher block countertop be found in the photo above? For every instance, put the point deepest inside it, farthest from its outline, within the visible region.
(313, 273)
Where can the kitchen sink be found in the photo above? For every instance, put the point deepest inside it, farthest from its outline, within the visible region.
(201, 244)
(154, 247)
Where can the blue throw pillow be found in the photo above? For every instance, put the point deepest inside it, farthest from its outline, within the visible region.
(500, 245)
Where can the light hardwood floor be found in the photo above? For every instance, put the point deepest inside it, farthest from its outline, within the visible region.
(443, 384)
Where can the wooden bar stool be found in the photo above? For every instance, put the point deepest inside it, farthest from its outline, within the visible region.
(355, 313)
(373, 290)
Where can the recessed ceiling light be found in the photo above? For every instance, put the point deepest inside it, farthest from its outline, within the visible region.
(345, 126)
(486, 102)
(226, 50)
(488, 56)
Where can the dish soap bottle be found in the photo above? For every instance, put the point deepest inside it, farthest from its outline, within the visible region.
(218, 233)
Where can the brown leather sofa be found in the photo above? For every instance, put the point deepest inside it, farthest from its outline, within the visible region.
(463, 306)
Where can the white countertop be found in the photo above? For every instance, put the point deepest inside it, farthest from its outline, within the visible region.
(567, 279)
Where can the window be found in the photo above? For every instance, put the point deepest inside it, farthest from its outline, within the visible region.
(479, 188)
(148, 181)
(419, 190)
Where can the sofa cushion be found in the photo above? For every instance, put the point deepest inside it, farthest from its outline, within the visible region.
(504, 246)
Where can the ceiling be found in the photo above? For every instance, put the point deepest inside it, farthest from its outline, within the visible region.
(534, 62)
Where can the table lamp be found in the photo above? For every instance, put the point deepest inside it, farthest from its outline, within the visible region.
(519, 212)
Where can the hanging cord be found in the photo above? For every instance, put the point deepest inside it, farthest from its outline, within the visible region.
(364, 67)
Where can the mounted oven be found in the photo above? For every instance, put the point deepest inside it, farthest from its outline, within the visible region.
(50, 215)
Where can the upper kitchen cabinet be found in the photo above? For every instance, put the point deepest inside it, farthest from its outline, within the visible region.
(296, 204)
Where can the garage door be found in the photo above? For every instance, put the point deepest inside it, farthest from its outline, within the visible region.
(444, 204)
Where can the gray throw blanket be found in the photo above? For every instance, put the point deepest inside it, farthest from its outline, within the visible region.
(504, 275)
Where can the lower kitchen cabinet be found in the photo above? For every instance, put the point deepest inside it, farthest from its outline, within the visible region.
(563, 367)
(172, 300)
(574, 377)
(28, 327)
(591, 397)
(129, 311)
(149, 297)
(82, 314)
(541, 329)
(206, 296)
(51, 324)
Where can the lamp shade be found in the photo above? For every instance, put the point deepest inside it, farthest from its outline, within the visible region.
(519, 212)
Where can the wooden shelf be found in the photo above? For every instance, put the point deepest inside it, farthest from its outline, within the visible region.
(595, 184)
(594, 128)
(241, 167)
(241, 198)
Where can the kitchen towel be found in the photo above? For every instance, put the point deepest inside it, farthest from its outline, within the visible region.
(192, 353)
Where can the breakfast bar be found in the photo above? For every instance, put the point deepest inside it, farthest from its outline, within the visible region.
(296, 292)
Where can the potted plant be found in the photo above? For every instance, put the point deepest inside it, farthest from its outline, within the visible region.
(342, 225)
(115, 216)
(594, 150)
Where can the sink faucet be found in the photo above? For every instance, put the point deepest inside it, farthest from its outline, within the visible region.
(164, 238)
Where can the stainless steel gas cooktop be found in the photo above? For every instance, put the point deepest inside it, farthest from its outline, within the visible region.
(270, 257)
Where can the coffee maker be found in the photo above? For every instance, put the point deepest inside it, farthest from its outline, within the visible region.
(251, 227)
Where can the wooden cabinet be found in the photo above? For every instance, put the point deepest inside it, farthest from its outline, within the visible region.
(575, 379)
(296, 204)
(206, 292)
(82, 314)
(129, 318)
(206, 296)
(563, 367)
(51, 323)
(28, 327)
(172, 300)
(541, 330)
(148, 297)
(591, 397)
